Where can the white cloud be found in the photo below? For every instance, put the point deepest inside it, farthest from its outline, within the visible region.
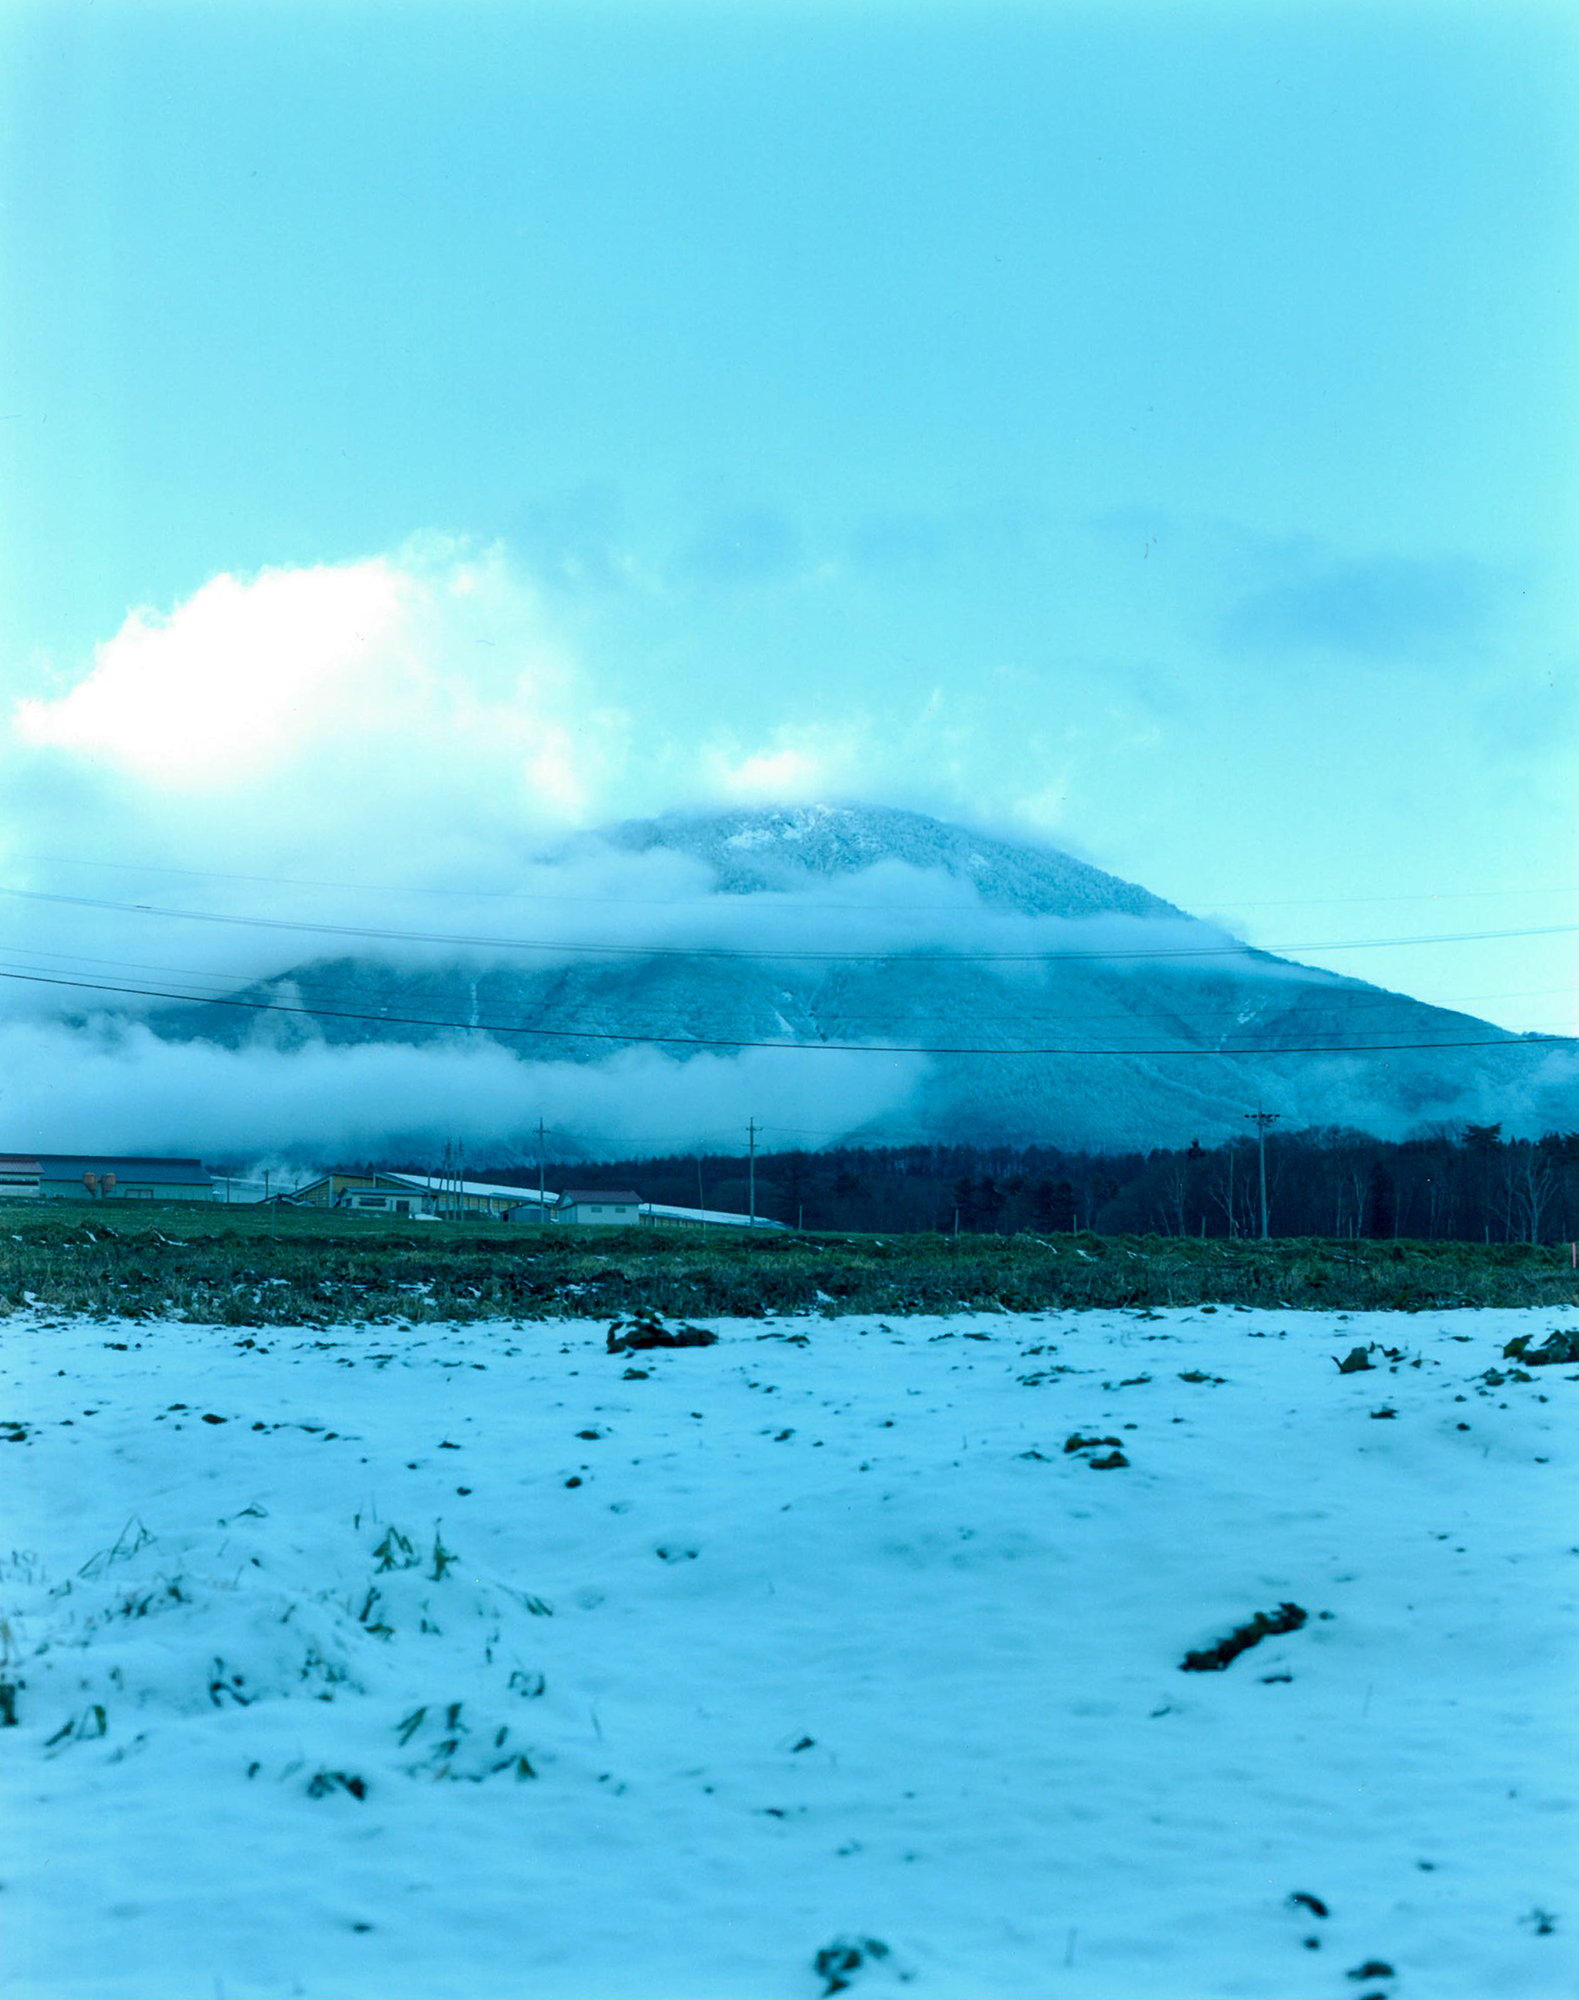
(345, 696)
(106, 1089)
(796, 763)
(776, 774)
(232, 682)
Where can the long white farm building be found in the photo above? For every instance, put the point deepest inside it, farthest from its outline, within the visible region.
(102, 1177)
(448, 1198)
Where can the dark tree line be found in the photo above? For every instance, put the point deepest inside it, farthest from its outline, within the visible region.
(1468, 1184)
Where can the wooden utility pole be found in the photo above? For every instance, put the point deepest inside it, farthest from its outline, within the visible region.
(752, 1170)
(542, 1198)
(701, 1205)
(1261, 1120)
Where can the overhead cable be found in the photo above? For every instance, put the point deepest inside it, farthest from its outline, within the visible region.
(379, 934)
(625, 1039)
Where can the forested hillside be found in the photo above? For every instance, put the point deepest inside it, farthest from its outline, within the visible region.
(1471, 1185)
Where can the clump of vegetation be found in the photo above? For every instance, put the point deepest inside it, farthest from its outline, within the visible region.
(1558, 1347)
(1110, 1463)
(93, 1721)
(838, 1963)
(1212, 1659)
(322, 1783)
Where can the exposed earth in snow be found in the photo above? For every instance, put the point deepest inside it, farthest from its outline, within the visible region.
(485, 1663)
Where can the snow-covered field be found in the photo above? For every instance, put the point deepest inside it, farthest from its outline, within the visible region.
(406, 1664)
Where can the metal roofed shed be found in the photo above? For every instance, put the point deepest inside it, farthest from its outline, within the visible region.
(496, 1198)
(423, 1197)
(103, 1177)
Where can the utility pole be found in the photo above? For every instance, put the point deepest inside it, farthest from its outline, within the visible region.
(542, 1198)
(701, 1205)
(1261, 1120)
(752, 1172)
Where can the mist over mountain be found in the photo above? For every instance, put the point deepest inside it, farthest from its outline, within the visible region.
(629, 1016)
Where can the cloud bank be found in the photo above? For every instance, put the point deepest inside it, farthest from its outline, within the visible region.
(405, 744)
(96, 1088)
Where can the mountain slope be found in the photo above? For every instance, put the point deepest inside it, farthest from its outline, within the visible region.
(779, 848)
(1148, 1027)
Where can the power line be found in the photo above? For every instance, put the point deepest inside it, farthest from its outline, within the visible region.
(379, 934)
(1508, 1040)
(228, 981)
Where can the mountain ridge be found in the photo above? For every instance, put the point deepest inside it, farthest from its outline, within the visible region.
(1134, 1051)
(743, 846)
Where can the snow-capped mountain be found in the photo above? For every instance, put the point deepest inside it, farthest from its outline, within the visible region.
(1077, 1008)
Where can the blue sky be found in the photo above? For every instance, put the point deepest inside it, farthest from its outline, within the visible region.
(1150, 428)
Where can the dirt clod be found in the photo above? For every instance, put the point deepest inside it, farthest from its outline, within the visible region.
(646, 1328)
(1212, 1659)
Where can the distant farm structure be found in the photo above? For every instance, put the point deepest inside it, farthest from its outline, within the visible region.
(102, 1177)
(433, 1195)
(125, 1177)
(445, 1197)
(616, 1207)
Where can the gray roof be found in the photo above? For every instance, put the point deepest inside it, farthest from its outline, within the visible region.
(624, 1195)
(438, 1183)
(124, 1166)
(659, 1211)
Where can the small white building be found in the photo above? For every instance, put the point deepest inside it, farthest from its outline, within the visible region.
(609, 1208)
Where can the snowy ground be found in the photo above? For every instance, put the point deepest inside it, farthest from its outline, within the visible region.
(402, 1665)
